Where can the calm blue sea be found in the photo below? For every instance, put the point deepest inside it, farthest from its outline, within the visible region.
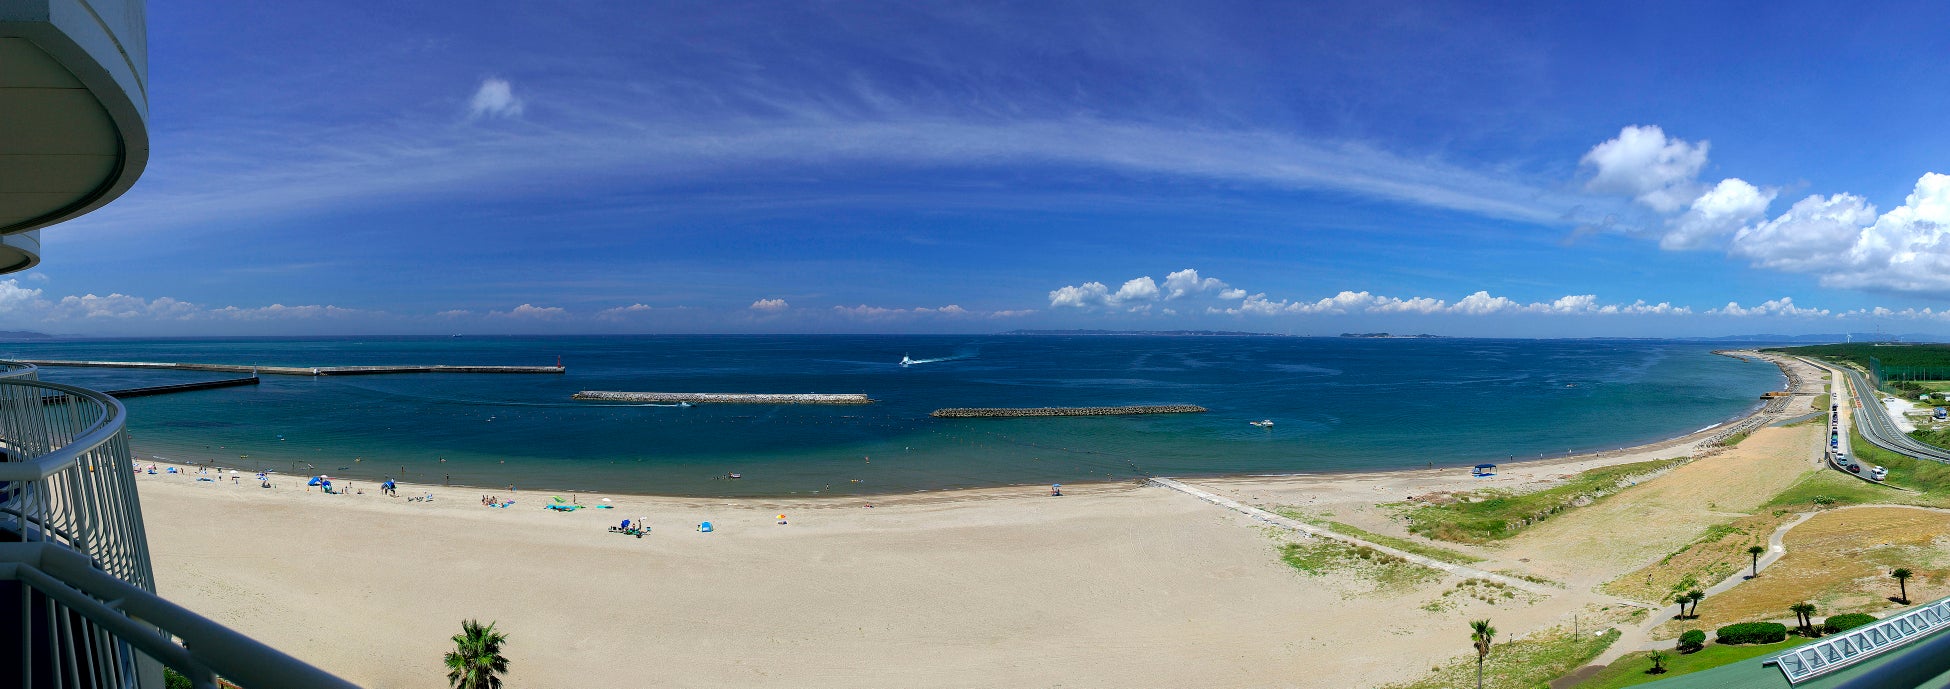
(1338, 405)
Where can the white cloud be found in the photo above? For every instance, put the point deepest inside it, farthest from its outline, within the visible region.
(531, 311)
(1841, 239)
(625, 312)
(122, 306)
(1814, 235)
(864, 311)
(495, 98)
(1720, 211)
(1186, 283)
(1081, 296)
(454, 313)
(770, 305)
(1135, 290)
(1783, 306)
(13, 297)
(1646, 165)
(280, 311)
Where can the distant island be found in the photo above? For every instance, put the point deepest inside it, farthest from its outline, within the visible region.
(1167, 333)
(24, 335)
(1391, 336)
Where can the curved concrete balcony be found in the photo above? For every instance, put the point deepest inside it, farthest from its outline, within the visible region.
(74, 113)
(19, 370)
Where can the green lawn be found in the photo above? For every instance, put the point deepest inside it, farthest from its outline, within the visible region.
(1499, 514)
(1630, 669)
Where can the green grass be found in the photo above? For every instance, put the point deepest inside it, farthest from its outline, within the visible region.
(1405, 545)
(1821, 401)
(1322, 556)
(1499, 514)
(1522, 664)
(1630, 668)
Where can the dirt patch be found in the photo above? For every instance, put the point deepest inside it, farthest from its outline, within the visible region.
(1840, 561)
(1644, 523)
(1712, 557)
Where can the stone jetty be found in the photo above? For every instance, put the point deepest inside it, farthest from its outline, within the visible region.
(973, 413)
(297, 370)
(723, 397)
(181, 387)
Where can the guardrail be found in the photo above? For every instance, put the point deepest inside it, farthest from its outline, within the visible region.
(72, 544)
(19, 370)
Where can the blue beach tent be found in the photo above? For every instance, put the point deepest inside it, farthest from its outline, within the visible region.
(705, 527)
(314, 481)
(1483, 470)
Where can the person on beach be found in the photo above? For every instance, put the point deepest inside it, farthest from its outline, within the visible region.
(1055, 490)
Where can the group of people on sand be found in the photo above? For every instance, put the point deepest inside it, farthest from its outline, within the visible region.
(495, 501)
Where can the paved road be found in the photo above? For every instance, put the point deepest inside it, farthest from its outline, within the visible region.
(1873, 420)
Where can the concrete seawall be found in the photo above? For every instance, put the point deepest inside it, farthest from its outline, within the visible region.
(298, 370)
(980, 413)
(723, 397)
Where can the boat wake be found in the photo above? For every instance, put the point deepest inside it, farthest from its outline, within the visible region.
(910, 361)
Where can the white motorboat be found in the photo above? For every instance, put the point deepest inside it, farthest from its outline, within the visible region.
(1268, 423)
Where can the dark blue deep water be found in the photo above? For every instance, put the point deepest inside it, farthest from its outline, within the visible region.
(1338, 405)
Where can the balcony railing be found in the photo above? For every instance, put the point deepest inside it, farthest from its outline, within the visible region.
(19, 370)
(88, 615)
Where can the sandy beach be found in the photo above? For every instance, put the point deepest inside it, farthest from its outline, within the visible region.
(1110, 585)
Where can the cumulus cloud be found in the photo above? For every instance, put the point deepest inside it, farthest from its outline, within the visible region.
(454, 313)
(864, 311)
(1186, 283)
(13, 297)
(1642, 162)
(531, 311)
(1783, 306)
(1721, 211)
(770, 305)
(495, 98)
(1842, 240)
(1137, 295)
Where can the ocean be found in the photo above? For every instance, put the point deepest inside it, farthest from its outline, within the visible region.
(1338, 405)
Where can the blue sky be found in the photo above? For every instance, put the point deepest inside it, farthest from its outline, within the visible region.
(1544, 170)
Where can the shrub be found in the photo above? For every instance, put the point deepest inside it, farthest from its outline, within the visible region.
(1752, 633)
(1842, 623)
(175, 680)
(1692, 640)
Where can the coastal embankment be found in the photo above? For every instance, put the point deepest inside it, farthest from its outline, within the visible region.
(723, 397)
(296, 370)
(978, 412)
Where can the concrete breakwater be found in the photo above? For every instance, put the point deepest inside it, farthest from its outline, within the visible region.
(181, 387)
(973, 413)
(298, 370)
(723, 397)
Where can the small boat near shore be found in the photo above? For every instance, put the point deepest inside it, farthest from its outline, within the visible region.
(1268, 423)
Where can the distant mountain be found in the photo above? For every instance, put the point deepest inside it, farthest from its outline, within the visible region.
(13, 335)
(1168, 333)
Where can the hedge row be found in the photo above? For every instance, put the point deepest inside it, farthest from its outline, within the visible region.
(1842, 623)
(1752, 633)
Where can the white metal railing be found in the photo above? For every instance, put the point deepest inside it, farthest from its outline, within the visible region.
(1862, 643)
(88, 613)
(19, 370)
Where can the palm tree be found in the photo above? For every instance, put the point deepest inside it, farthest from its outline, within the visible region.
(1755, 551)
(476, 662)
(1902, 579)
(1804, 617)
(1658, 663)
(1481, 633)
(1696, 596)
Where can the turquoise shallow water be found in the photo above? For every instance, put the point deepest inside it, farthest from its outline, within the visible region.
(1338, 405)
